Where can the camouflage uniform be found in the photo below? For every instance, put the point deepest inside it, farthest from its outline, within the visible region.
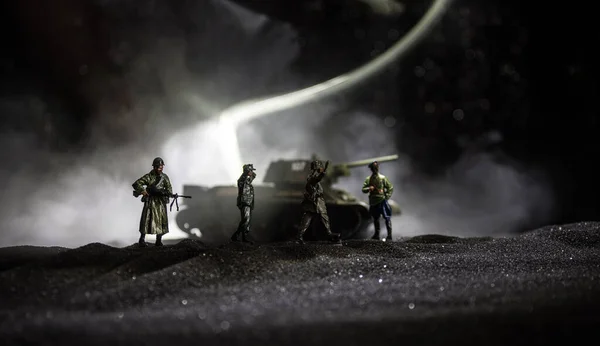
(245, 202)
(313, 204)
(154, 219)
(378, 199)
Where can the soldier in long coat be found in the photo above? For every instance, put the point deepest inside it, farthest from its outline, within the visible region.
(155, 188)
(245, 203)
(313, 204)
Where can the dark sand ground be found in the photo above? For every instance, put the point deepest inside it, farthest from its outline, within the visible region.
(542, 287)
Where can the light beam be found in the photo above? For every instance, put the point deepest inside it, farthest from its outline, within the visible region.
(244, 111)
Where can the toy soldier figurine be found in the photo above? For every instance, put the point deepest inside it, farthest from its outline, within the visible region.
(313, 204)
(380, 190)
(245, 202)
(155, 188)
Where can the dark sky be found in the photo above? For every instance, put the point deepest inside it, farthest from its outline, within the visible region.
(525, 71)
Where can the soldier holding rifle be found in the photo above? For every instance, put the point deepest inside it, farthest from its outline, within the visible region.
(156, 189)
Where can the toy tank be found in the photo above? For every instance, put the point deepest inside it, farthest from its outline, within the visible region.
(213, 215)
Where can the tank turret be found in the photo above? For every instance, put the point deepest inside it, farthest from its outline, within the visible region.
(343, 169)
(294, 172)
(214, 216)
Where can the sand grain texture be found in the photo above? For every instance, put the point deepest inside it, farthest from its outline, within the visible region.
(538, 288)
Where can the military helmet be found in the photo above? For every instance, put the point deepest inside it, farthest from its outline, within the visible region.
(158, 162)
(248, 167)
(316, 164)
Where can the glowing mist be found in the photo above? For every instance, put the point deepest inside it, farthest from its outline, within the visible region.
(237, 114)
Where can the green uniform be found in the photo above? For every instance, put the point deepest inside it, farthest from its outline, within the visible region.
(378, 201)
(245, 202)
(154, 218)
(383, 188)
(313, 205)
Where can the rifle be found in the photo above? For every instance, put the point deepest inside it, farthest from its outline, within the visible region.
(175, 196)
(153, 191)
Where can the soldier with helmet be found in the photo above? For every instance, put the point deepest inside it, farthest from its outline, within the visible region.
(155, 188)
(245, 202)
(380, 191)
(313, 204)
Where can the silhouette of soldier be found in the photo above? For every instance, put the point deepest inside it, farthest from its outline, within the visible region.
(380, 190)
(313, 204)
(245, 202)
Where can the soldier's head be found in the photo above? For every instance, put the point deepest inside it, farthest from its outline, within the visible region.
(316, 165)
(158, 164)
(374, 166)
(248, 168)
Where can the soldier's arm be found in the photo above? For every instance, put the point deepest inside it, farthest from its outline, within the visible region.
(252, 177)
(316, 178)
(312, 178)
(168, 187)
(389, 188)
(138, 186)
(365, 188)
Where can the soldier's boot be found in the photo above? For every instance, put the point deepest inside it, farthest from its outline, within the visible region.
(236, 236)
(238, 232)
(335, 238)
(300, 238)
(304, 224)
(246, 238)
(158, 240)
(388, 226)
(377, 229)
(142, 241)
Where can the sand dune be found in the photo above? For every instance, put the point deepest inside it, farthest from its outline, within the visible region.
(541, 287)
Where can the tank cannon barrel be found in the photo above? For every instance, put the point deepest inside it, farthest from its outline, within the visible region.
(367, 161)
(343, 169)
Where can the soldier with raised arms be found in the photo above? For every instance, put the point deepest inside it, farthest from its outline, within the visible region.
(313, 204)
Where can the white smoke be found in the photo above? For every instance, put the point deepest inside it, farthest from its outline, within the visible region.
(481, 194)
(90, 200)
(70, 199)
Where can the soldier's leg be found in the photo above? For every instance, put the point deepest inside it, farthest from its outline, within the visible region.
(142, 240)
(304, 224)
(335, 237)
(164, 225)
(375, 215)
(247, 215)
(143, 227)
(388, 226)
(387, 214)
(377, 227)
(240, 228)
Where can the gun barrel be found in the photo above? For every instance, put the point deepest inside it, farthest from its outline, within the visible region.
(182, 196)
(367, 161)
